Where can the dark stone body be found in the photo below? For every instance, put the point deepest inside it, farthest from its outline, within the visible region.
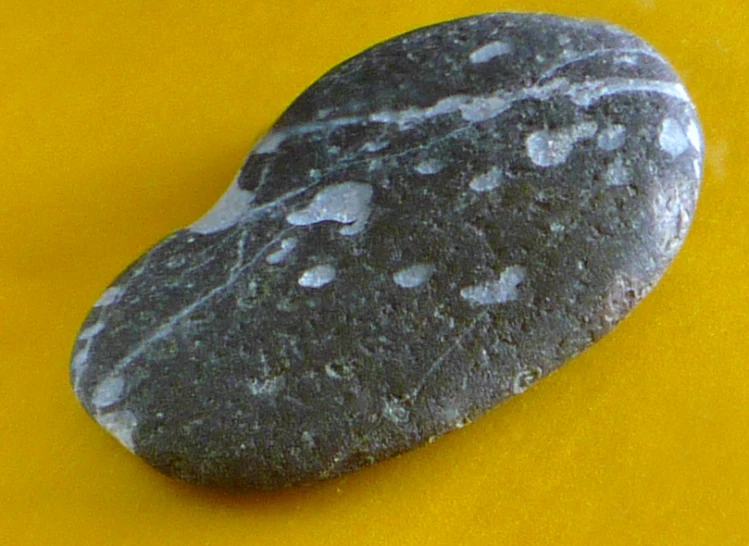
(537, 174)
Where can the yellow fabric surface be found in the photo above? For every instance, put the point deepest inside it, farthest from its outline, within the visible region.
(122, 121)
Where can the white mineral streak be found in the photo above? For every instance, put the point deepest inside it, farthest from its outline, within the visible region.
(487, 181)
(501, 291)
(121, 425)
(697, 166)
(405, 119)
(375, 146)
(79, 362)
(317, 276)
(110, 296)
(287, 246)
(612, 137)
(430, 166)
(109, 391)
(413, 276)
(694, 136)
(91, 331)
(617, 174)
(270, 142)
(348, 203)
(588, 93)
(489, 52)
(672, 138)
(550, 148)
(273, 140)
(227, 211)
(482, 108)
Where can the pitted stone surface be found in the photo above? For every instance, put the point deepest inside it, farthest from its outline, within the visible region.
(430, 228)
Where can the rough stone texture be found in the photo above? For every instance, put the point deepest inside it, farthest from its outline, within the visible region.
(431, 227)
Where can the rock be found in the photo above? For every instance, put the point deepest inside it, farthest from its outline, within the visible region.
(430, 228)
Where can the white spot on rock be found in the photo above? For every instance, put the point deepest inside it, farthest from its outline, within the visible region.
(318, 276)
(110, 296)
(525, 378)
(612, 137)
(374, 146)
(267, 387)
(346, 203)
(394, 411)
(551, 148)
(672, 138)
(413, 276)
(121, 425)
(109, 391)
(487, 181)
(617, 174)
(501, 291)
(430, 166)
(287, 247)
(697, 166)
(489, 52)
(79, 360)
(694, 136)
(270, 143)
(227, 211)
(91, 331)
(308, 439)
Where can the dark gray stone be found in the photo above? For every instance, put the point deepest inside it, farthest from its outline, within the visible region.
(430, 228)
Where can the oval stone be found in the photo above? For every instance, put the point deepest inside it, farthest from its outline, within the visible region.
(431, 227)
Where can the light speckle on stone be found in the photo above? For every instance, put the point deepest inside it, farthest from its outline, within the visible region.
(617, 174)
(430, 166)
(548, 148)
(91, 331)
(110, 296)
(109, 391)
(121, 425)
(227, 211)
(672, 138)
(79, 360)
(525, 378)
(375, 146)
(487, 181)
(694, 136)
(270, 142)
(697, 167)
(347, 203)
(287, 247)
(490, 51)
(317, 276)
(413, 276)
(612, 137)
(266, 387)
(395, 411)
(500, 291)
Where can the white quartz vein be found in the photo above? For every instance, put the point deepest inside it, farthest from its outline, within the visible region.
(481, 108)
(235, 273)
(441, 359)
(597, 53)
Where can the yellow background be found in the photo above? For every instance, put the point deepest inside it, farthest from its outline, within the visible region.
(122, 121)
